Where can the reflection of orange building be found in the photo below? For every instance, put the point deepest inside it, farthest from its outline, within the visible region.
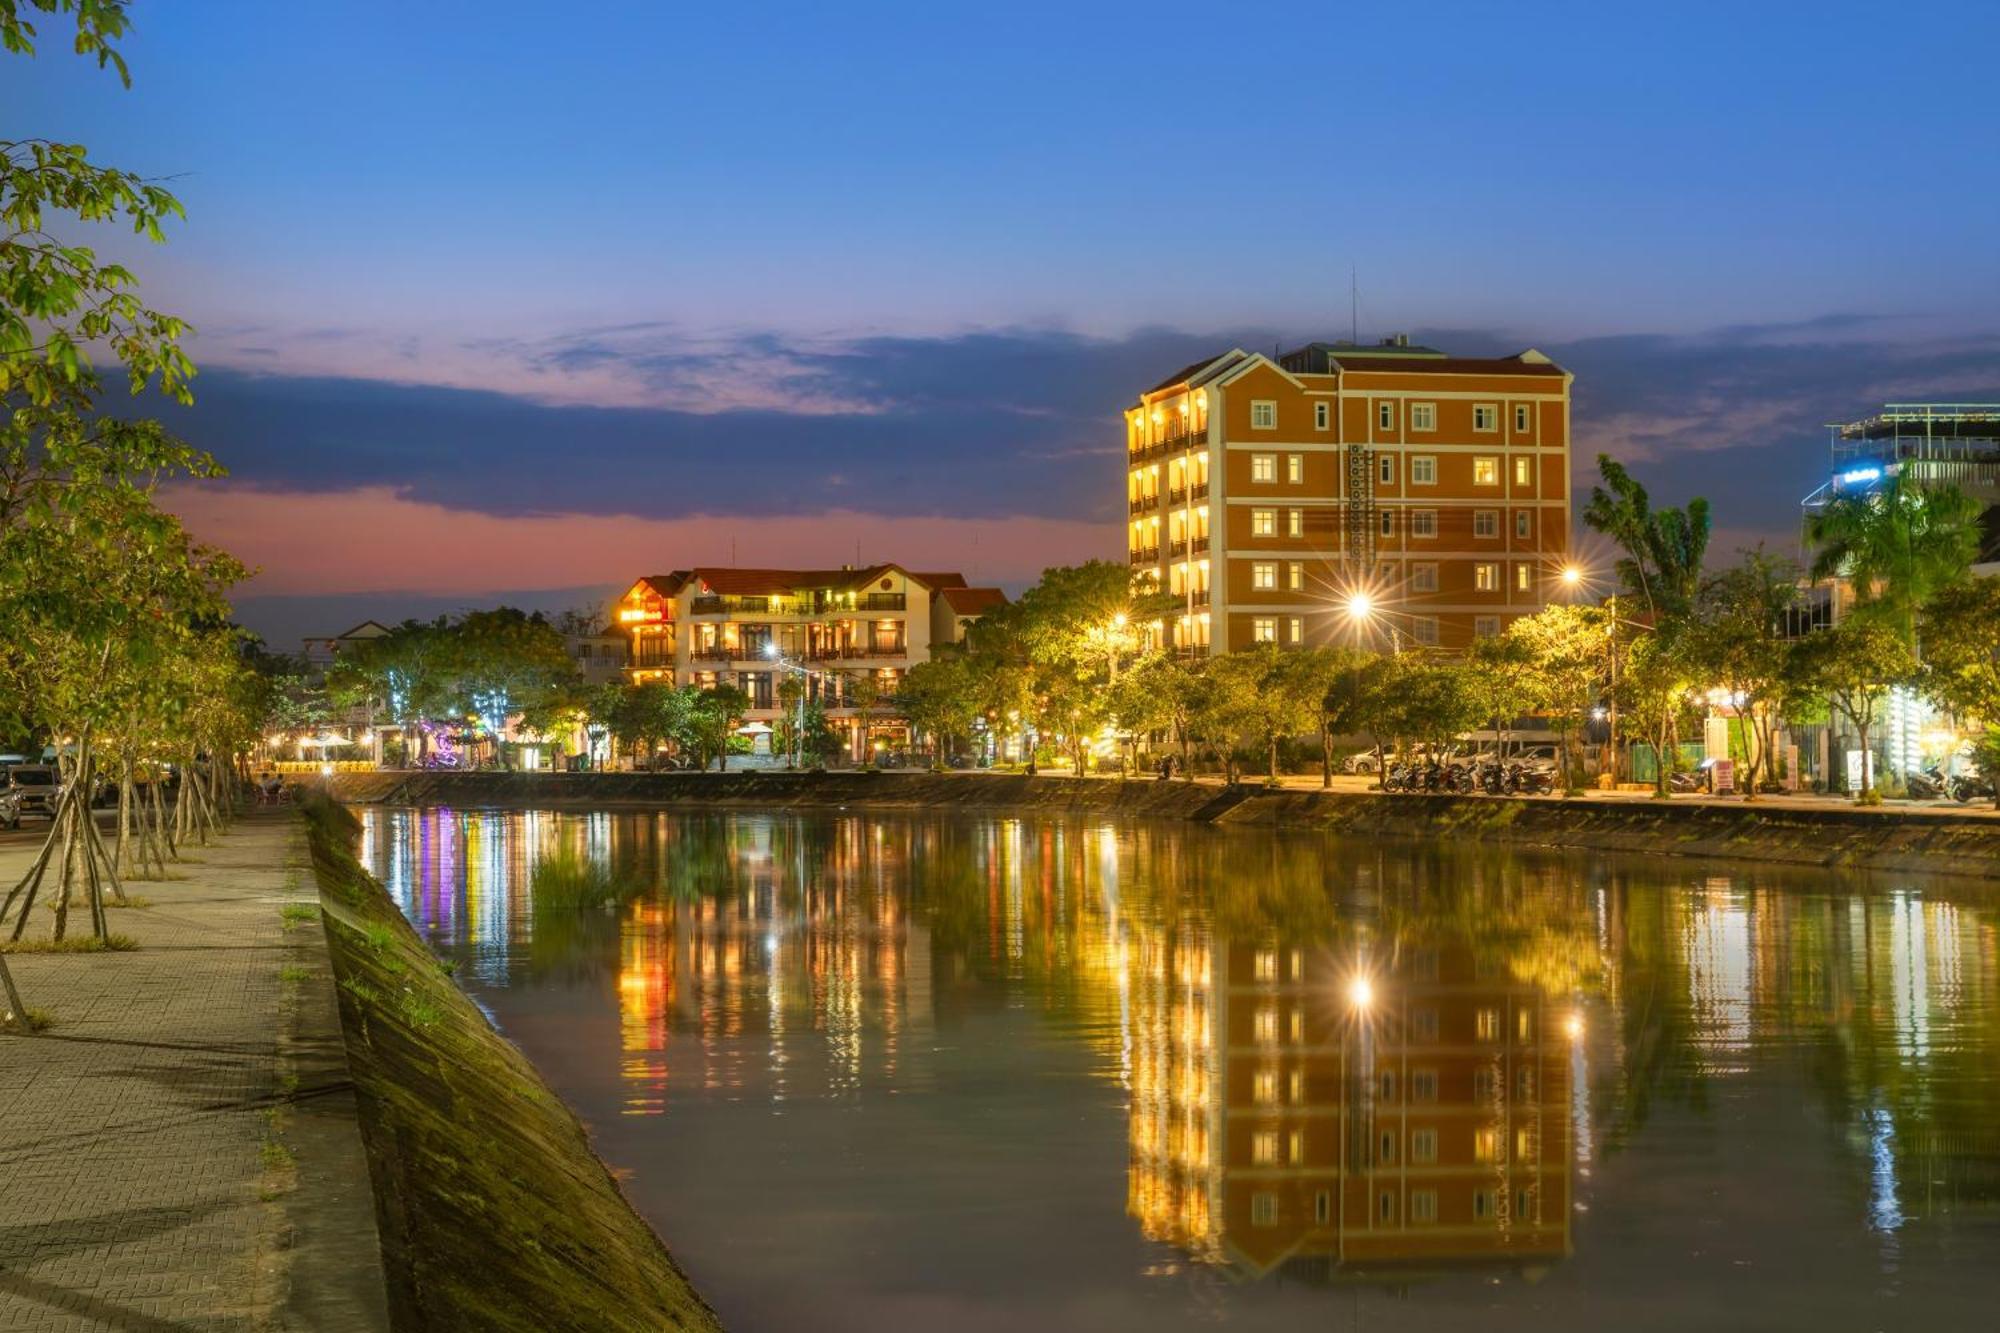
(1283, 1113)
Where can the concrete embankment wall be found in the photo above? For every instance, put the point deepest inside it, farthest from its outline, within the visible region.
(493, 1211)
(1941, 843)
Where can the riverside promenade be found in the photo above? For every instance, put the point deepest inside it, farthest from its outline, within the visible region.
(179, 1150)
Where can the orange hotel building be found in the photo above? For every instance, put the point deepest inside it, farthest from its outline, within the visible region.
(1266, 492)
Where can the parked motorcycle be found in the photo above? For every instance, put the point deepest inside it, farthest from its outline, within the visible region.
(1927, 784)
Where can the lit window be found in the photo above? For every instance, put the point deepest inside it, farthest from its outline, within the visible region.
(1486, 523)
(1524, 578)
(1485, 1144)
(1524, 471)
(1264, 1147)
(1298, 1085)
(1423, 522)
(1266, 1024)
(1486, 627)
(1424, 629)
(1423, 416)
(1423, 1146)
(1263, 523)
(1266, 964)
(1524, 1025)
(1263, 467)
(1297, 1151)
(1523, 417)
(1264, 1086)
(1298, 1025)
(1486, 1025)
(1485, 416)
(1322, 416)
(1263, 414)
(1486, 578)
(1385, 415)
(1295, 467)
(1524, 1144)
(1295, 632)
(1423, 1205)
(1423, 578)
(1264, 574)
(1295, 576)
(1524, 522)
(1264, 629)
(1423, 470)
(1385, 466)
(1295, 523)
(1263, 1209)
(1485, 472)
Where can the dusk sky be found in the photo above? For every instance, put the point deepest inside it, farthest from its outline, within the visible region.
(538, 299)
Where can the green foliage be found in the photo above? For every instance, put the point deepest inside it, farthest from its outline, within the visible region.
(1664, 548)
(1901, 545)
(1853, 666)
(1961, 634)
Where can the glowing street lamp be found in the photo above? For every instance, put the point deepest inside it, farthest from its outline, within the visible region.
(1572, 576)
(1361, 992)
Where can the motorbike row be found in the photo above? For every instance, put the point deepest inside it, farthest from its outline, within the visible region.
(1931, 784)
(1467, 774)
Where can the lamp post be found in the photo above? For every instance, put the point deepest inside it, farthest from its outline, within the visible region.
(799, 727)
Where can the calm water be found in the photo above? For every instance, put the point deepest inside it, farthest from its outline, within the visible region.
(879, 1072)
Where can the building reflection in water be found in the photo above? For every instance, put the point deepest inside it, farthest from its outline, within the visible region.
(1336, 1061)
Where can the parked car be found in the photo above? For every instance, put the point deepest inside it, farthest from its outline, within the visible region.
(36, 786)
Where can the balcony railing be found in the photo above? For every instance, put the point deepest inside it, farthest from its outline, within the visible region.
(722, 652)
(881, 601)
(1182, 437)
(857, 651)
(1175, 550)
(1179, 495)
(1146, 555)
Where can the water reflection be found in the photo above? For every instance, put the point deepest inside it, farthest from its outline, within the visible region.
(1332, 1064)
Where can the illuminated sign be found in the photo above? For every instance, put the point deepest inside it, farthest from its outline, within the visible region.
(1860, 474)
(633, 614)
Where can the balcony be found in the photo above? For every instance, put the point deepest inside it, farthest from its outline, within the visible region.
(881, 601)
(1180, 549)
(722, 652)
(852, 652)
(1182, 437)
(1146, 555)
(1180, 496)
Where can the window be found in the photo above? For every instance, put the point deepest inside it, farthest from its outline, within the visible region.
(1485, 1144)
(1266, 1024)
(1524, 1144)
(1423, 1205)
(1295, 522)
(1424, 1024)
(1423, 470)
(1524, 1083)
(1264, 1147)
(1263, 467)
(1295, 468)
(1385, 415)
(1424, 629)
(1524, 471)
(1386, 1156)
(1485, 472)
(1298, 1085)
(1263, 414)
(1322, 1208)
(1486, 1024)
(1486, 627)
(1388, 522)
(1386, 1206)
(1524, 524)
(1322, 416)
(1523, 418)
(1263, 1209)
(1298, 1025)
(1524, 1025)
(1524, 578)
(1486, 523)
(1485, 1084)
(1385, 469)
(1264, 574)
(1264, 629)
(1485, 416)
(1423, 522)
(1296, 1149)
(1486, 577)
(1385, 1089)
(1423, 416)
(1423, 578)
(1264, 1085)
(1295, 632)
(1423, 1146)
(1263, 523)
(1482, 1205)
(1266, 965)
(1524, 1205)
(1295, 576)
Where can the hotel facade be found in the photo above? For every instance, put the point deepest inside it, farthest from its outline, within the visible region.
(850, 634)
(1277, 496)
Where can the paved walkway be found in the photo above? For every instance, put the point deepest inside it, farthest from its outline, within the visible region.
(164, 1145)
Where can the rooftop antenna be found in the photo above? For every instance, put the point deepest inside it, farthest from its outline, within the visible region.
(732, 552)
(1353, 305)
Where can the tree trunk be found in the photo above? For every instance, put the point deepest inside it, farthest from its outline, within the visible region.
(1325, 754)
(1271, 756)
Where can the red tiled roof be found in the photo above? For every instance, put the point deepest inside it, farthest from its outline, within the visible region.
(936, 582)
(772, 582)
(1442, 365)
(972, 601)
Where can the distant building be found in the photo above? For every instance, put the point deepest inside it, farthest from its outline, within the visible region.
(852, 634)
(1927, 443)
(320, 653)
(600, 657)
(1270, 493)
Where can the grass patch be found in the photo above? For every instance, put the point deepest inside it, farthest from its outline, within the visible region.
(133, 900)
(378, 936)
(29, 1020)
(297, 914)
(113, 943)
(275, 1156)
(448, 966)
(292, 975)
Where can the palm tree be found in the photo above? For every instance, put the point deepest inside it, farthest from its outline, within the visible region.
(1900, 545)
(1664, 548)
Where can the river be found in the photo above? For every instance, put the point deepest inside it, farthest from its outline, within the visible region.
(878, 1071)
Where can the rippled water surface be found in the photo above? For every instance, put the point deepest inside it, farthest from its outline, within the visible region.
(883, 1072)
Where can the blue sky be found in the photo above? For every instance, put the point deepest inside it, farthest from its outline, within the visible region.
(800, 268)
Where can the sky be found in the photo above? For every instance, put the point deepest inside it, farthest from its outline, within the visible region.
(517, 302)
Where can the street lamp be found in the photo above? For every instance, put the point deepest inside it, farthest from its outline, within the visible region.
(799, 730)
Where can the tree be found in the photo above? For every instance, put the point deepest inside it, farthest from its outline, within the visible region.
(1568, 647)
(1158, 694)
(1739, 642)
(941, 700)
(1664, 548)
(1347, 679)
(1272, 694)
(712, 716)
(502, 660)
(1901, 545)
(1961, 636)
(1655, 686)
(1853, 666)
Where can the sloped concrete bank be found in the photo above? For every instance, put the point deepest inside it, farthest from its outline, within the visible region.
(493, 1211)
(1941, 843)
